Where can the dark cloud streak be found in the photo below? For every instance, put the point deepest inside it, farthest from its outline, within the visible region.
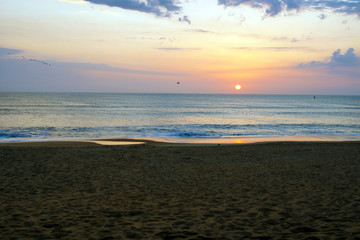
(322, 16)
(198, 31)
(176, 49)
(185, 19)
(162, 8)
(274, 7)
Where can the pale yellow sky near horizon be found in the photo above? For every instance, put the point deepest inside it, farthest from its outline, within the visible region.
(215, 49)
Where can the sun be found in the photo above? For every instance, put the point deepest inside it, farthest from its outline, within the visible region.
(237, 86)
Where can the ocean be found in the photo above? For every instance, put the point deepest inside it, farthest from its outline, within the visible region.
(69, 116)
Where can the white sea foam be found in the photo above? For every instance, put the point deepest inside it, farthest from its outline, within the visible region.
(32, 116)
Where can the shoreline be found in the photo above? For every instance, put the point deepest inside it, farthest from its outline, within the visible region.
(180, 141)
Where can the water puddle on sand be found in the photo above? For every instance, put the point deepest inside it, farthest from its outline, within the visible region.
(117, 143)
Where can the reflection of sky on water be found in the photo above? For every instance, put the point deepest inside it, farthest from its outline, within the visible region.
(175, 115)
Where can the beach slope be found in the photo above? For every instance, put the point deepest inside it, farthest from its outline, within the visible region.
(279, 190)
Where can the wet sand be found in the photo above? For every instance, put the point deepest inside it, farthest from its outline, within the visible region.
(285, 190)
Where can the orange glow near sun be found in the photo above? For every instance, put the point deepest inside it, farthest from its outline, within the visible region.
(237, 86)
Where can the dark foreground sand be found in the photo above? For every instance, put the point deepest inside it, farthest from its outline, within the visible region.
(256, 191)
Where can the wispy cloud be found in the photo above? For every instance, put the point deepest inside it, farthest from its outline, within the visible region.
(19, 74)
(74, 1)
(284, 38)
(9, 51)
(274, 7)
(108, 68)
(176, 49)
(163, 8)
(270, 48)
(198, 30)
(76, 66)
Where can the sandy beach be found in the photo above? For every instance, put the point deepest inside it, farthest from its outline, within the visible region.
(278, 190)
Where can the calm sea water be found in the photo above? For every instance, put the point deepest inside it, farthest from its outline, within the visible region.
(35, 116)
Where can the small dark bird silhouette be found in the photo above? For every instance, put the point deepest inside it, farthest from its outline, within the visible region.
(178, 83)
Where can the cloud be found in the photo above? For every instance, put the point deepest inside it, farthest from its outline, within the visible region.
(176, 49)
(271, 48)
(346, 64)
(18, 74)
(348, 59)
(77, 66)
(108, 68)
(74, 1)
(9, 51)
(162, 8)
(198, 30)
(284, 38)
(274, 7)
(322, 16)
(185, 19)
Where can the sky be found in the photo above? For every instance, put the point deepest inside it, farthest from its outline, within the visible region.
(180, 46)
